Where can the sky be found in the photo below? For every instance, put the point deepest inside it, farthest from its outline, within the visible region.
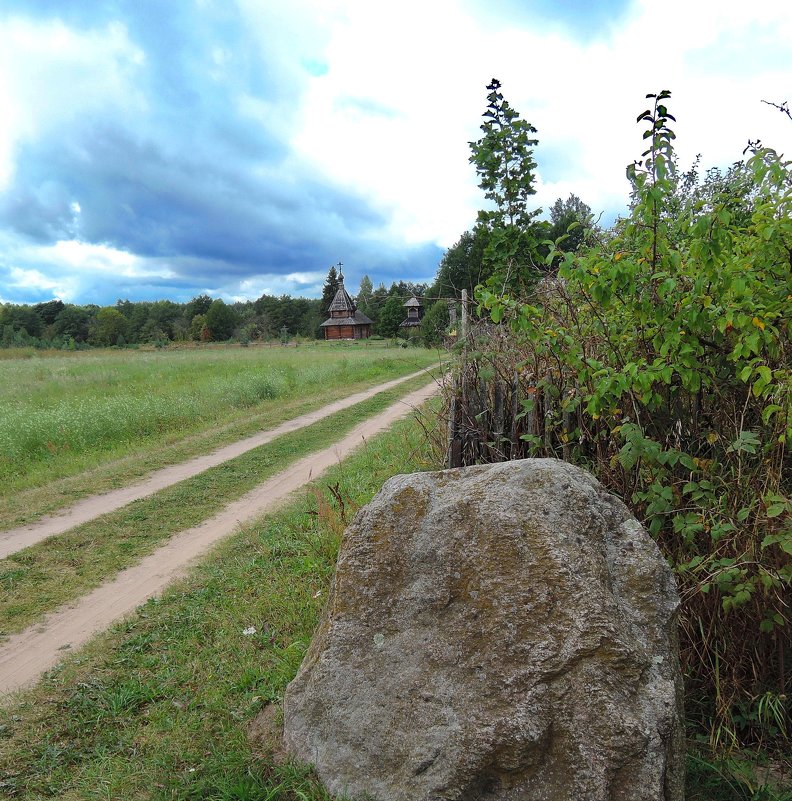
(160, 149)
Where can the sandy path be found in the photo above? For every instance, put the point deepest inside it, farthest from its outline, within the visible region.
(25, 656)
(15, 539)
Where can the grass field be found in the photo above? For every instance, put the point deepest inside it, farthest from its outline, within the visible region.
(160, 706)
(38, 579)
(66, 415)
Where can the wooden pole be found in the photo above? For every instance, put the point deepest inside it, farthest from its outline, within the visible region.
(515, 399)
(548, 415)
(452, 427)
(499, 445)
(464, 314)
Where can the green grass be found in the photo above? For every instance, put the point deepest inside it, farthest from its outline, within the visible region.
(160, 707)
(738, 776)
(65, 567)
(61, 415)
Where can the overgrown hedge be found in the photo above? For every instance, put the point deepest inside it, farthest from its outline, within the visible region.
(668, 341)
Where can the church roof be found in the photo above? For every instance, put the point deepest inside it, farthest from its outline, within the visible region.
(413, 302)
(342, 301)
(355, 318)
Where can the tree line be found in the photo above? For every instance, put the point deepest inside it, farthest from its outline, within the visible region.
(55, 324)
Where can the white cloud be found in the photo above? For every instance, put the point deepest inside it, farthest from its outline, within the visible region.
(88, 257)
(30, 279)
(69, 268)
(52, 75)
(272, 284)
(583, 98)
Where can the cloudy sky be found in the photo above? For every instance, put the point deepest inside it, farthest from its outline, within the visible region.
(163, 148)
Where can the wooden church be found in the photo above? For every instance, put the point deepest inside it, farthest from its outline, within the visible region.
(345, 321)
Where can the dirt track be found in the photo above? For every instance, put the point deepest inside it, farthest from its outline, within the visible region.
(15, 539)
(25, 656)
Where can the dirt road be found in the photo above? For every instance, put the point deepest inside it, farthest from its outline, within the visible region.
(15, 539)
(25, 656)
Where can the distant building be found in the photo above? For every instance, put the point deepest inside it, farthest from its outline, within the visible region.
(414, 313)
(345, 321)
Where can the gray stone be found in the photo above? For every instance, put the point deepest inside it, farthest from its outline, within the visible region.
(504, 631)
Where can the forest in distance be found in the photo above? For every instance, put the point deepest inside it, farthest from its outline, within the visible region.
(59, 325)
(66, 326)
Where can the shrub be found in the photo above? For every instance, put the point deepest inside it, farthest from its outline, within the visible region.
(668, 344)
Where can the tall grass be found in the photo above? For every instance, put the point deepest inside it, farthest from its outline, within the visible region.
(61, 569)
(53, 408)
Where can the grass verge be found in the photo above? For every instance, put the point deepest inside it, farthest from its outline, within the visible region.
(62, 568)
(160, 706)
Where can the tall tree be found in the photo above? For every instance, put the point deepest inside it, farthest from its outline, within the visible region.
(505, 165)
(74, 322)
(329, 290)
(110, 327)
(365, 292)
(198, 305)
(563, 215)
(392, 316)
(463, 265)
(220, 320)
(434, 324)
(50, 310)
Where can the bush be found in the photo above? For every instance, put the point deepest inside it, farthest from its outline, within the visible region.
(669, 345)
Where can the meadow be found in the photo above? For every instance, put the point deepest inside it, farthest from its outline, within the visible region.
(118, 412)
(62, 414)
(61, 569)
(163, 705)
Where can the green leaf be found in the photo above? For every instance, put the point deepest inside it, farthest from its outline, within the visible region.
(687, 461)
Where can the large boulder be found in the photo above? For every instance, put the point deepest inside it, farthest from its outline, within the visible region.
(496, 632)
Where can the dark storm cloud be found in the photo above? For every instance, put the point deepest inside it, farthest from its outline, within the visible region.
(136, 196)
(198, 174)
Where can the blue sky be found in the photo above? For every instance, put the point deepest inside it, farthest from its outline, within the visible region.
(157, 149)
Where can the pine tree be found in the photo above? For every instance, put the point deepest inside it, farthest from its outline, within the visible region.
(329, 291)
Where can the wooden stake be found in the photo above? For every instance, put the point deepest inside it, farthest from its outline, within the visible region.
(464, 314)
